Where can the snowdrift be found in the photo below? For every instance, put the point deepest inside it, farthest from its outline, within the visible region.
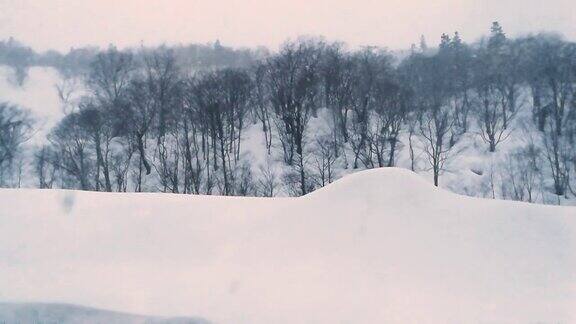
(71, 314)
(379, 246)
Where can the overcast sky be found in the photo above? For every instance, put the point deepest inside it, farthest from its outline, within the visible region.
(61, 24)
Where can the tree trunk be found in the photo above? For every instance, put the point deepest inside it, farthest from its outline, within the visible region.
(101, 163)
(143, 154)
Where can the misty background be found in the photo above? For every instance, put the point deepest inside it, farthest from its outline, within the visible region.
(62, 24)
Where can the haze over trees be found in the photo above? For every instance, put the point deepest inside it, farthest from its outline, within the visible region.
(174, 119)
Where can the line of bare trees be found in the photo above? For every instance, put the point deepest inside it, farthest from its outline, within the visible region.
(151, 124)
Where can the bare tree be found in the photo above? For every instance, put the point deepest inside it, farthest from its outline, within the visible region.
(522, 173)
(325, 159)
(67, 88)
(237, 93)
(268, 180)
(108, 80)
(46, 167)
(194, 132)
(15, 129)
(221, 99)
(139, 117)
(337, 73)
(293, 85)
(373, 66)
(244, 182)
(71, 140)
(490, 112)
(261, 104)
(559, 83)
(109, 76)
(557, 151)
(456, 58)
(428, 77)
(435, 130)
(391, 109)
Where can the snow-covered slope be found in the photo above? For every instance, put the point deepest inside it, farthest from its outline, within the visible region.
(71, 314)
(38, 94)
(379, 246)
(470, 170)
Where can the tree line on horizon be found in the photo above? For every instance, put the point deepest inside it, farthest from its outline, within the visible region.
(149, 122)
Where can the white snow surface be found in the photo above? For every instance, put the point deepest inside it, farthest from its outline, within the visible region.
(378, 246)
(39, 313)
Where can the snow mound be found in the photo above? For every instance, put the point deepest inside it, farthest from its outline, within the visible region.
(380, 181)
(379, 246)
(71, 314)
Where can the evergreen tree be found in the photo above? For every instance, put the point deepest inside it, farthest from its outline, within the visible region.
(497, 36)
(423, 45)
(456, 41)
(444, 42)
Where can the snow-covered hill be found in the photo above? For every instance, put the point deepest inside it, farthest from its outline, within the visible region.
(379, 246)
(470, 170)
(70, 314)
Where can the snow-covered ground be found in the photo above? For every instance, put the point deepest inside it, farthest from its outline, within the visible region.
(378, 246)
(38, 313)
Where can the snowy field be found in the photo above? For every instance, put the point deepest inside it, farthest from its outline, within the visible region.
(378, 246)
(69, 314)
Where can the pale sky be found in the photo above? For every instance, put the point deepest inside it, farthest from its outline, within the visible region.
(61, 24)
